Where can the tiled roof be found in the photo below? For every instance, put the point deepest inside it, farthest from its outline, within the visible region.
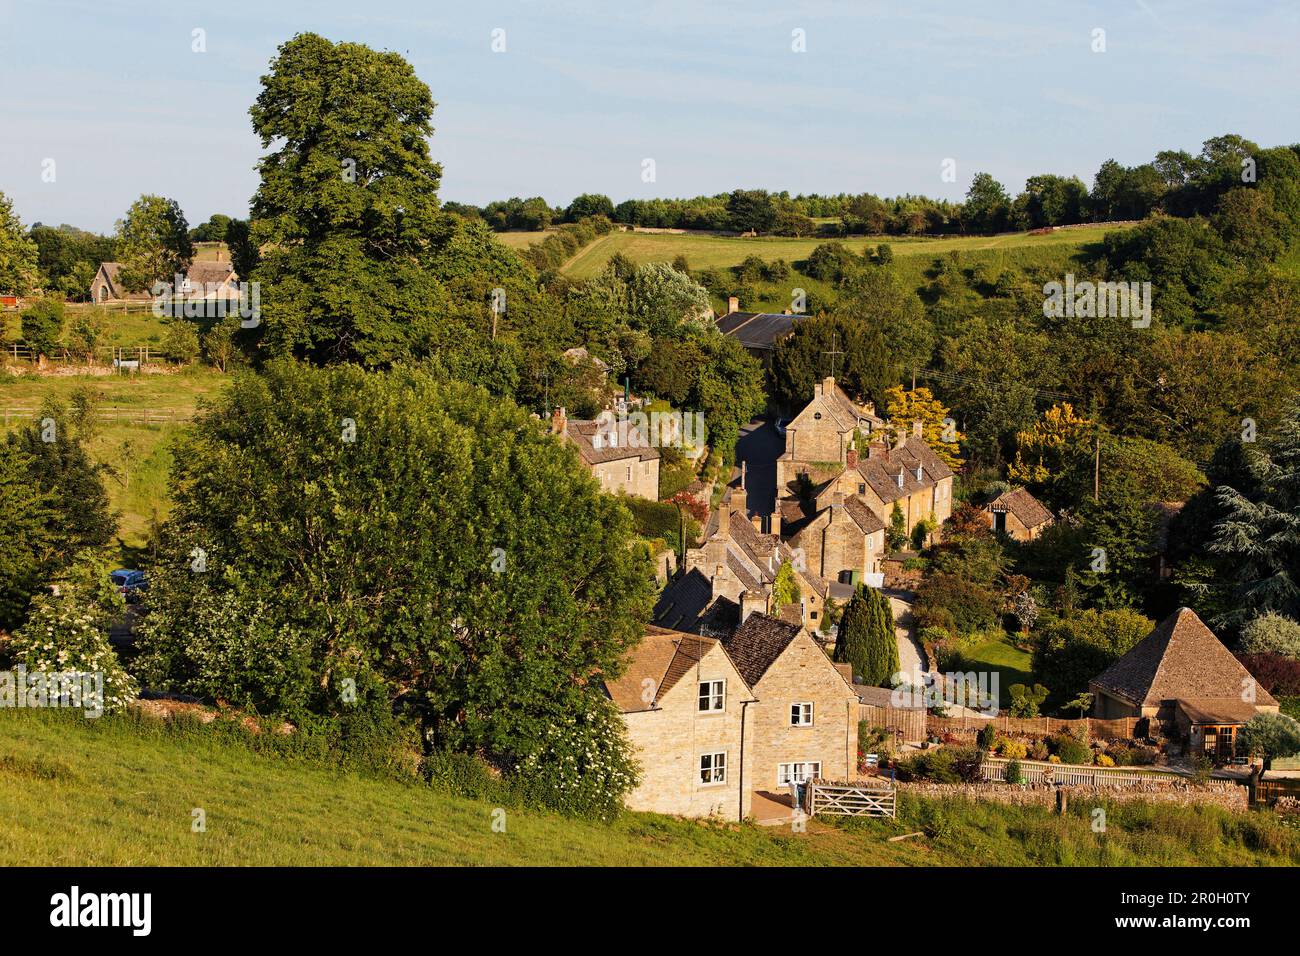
(682, 602)
(1180, 659)
(863, 516)
(881, 467)
(757, 643)
(1023, 505)
(582, 432)
(1217, 710)
(757, 330)
(662, 657)
(720, 619)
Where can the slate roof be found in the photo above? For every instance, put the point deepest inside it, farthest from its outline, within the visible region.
(662, 657)
(1180, 659)
(757, 330)
(582, 432)
(757, 643)
(881, 467)
(1023, 505)
(720, 619)
(682, 602)
(863, 516)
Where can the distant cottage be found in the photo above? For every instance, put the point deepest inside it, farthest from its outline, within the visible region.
(1018, 514)
(629, 464)
(206, 279)
(1182, 679)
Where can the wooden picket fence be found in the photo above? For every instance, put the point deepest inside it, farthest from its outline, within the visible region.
(860, 799)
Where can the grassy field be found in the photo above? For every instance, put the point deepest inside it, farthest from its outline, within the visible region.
(137, 452)
(718, 252)
(122, 791)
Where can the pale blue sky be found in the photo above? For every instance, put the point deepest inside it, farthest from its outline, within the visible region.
(712, 92)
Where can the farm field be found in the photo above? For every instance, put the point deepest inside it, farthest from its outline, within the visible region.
(136, 451)
(121, 791)
(718, 252)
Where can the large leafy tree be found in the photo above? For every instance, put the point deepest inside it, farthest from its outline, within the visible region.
(347, 209)
(398, 536)
(863, 366)
(17, 252)
(1259, 532)
(903, 408)
(153, 243)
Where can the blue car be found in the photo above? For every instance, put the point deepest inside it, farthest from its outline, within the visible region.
(129, 583)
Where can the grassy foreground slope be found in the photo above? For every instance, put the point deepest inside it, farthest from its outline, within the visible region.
(121, 791)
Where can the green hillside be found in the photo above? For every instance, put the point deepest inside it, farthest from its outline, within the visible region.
(122, 791)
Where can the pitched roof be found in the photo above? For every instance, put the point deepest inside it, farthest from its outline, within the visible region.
(1217, 710)
(682, 602)
(757, 643)
(1028, 509)
(882, 465)
(663, 658)
(863, 516)
(757, 330)
(720, 619)
(200, 273)
(582, 432)
(1180, 659)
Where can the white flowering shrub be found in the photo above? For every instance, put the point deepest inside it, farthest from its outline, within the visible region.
(68, 631)
(583, 765)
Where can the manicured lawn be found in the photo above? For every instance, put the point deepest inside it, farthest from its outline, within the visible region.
(122, 791)
(1012, 665)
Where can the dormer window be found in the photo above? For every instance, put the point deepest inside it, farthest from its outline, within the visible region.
(900, 478)
(918, 473)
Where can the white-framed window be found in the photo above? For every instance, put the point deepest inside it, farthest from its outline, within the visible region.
(713, 696)
(801, 714)
(799, 772)
(713, 768)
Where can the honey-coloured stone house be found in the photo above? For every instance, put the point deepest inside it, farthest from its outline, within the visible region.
(714, 721)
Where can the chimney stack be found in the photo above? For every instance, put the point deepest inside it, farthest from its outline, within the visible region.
(916, 429)
(776, 520)
(837, 505)
(733, 304)
(751, 601)
(828, 384)
(559, 421)
(724, 519)
(739, 496)
(851, 458)
(877, 451)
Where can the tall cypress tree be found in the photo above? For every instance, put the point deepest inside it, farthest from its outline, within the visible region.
(866, 638)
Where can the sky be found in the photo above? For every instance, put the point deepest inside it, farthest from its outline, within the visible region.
(716, 94)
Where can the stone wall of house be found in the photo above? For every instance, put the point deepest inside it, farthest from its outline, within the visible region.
(643, 482)
(803, 674)
(1229, 796)
(669, 741)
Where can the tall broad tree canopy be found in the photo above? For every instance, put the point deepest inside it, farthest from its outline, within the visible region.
(18, 253)
(153, 243)
(398, 534)
(347, 210)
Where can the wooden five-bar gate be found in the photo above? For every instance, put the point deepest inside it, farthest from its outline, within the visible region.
(858, 799)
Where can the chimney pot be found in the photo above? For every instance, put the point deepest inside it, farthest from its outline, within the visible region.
(733, 304)
(559, 421)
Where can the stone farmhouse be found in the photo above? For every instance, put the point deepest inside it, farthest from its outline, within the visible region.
(1018, 514)
(820, 436)
(1186, 683)
(840, 540)
(716, 723)
(623, 462)
(204, 279)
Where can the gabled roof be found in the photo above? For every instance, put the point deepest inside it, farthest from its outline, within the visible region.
(720, 619)
(663, 658)
(200, 274)
(757, 330)
(863, 516)
(757, 643)
(582, 432)
(1019, 502)
(1180, 659)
